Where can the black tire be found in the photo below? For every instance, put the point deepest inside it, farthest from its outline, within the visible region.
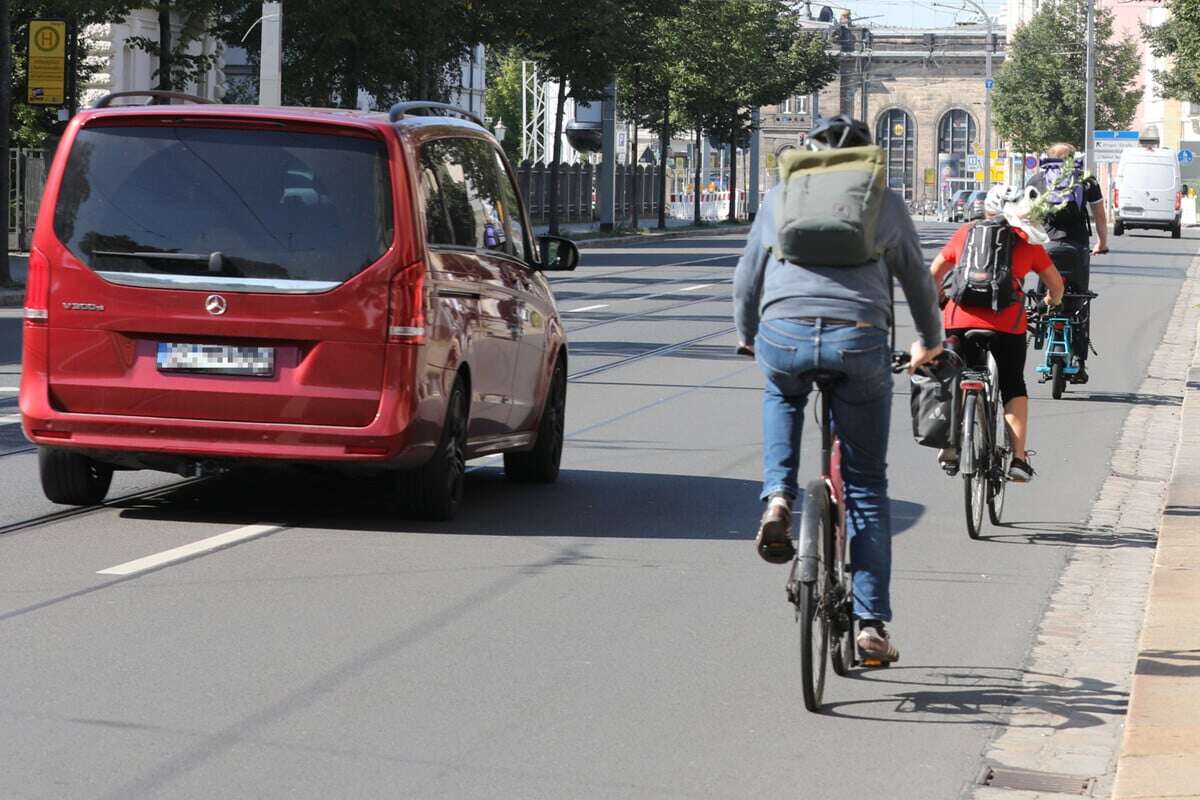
(1118, 228)
(975, 482)
(72, 479)
(541, 464)
(1058, 380)
(998, 485)
(814, 627)
(1176, 230)
(841, 653)
(435, 490)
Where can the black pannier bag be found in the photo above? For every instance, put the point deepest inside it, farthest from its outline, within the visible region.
(934, 416)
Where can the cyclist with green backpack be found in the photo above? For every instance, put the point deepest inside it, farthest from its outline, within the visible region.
(813, 291)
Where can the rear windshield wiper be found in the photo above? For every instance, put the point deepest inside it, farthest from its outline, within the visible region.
(214, 260)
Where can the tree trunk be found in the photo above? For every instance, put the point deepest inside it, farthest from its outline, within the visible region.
(164, 45)
(696, 188)
(733, 176)
(5, 98)
(559, 109)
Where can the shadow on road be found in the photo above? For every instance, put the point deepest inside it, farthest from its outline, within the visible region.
(1067, 534)
(1126, 398)
(584, 503)
(1004, 696)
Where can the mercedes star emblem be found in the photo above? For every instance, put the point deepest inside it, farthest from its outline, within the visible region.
(215, 304)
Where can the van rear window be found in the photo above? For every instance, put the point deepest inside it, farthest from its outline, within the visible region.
(264, 210)
(1155, 177)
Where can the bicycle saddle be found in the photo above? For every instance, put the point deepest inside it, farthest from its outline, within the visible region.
(823, 377)
(980, 333)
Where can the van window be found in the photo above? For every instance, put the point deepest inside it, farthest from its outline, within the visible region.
(1154, 177)
(469, 200)
(266, 209)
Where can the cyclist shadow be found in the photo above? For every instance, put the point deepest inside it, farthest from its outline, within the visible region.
(968, 695)
(1066, 534)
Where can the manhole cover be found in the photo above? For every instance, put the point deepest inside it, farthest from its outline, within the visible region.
(1032, 781)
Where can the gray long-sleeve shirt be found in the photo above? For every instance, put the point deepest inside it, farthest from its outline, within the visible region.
(764, 287)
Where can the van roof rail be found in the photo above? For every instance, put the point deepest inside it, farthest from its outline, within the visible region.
(157, 97)
(424, 108)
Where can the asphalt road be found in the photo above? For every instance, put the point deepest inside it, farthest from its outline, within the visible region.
(611, 636)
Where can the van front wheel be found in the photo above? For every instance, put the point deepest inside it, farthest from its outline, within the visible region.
(71, 479)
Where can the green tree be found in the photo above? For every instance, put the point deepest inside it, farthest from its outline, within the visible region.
(503, 97)
(765, 56)
(1178, 39)
(580, 49)
(1039, 93)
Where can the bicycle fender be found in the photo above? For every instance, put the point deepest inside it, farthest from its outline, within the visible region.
(813, 521)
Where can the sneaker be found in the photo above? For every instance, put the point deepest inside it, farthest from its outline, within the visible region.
(874, 644)
(948, 460)
(1019, 471)
(774, 540)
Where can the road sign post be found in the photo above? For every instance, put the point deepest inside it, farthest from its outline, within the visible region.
(1107, 145)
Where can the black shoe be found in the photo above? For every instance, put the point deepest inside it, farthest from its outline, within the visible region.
(1019, 471)
(1081, 376)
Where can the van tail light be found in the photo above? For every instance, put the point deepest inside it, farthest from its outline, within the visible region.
(1116, 198)
(406, 314)
(972, 386)
(37, 289)
(1178, 201)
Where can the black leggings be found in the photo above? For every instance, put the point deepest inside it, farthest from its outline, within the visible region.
(1009, 351)
(1074, 263)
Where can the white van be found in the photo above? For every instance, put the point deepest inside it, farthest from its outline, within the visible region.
(1148, 191)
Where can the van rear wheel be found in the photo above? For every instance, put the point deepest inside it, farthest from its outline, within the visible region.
(540, 465)
(1118, 228)
(1176, 230)
(435, 490)
(71, 479)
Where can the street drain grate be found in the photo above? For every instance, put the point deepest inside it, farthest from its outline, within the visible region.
(1032, 781)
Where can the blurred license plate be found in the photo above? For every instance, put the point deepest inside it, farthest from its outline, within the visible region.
(216, 359)
(1131, 210)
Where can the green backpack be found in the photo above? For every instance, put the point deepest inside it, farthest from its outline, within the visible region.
(829, 206)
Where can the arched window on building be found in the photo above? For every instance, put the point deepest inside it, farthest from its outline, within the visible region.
(896, 133)
(957, 138)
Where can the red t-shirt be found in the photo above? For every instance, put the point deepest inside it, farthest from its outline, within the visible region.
(1025, 257)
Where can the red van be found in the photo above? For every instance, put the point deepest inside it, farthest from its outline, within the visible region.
(212, 284)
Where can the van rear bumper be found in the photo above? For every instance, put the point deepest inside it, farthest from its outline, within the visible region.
(1149, 219)
(403, 433)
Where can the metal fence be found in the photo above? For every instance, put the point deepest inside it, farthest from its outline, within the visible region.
(26, 179)
(577, 192)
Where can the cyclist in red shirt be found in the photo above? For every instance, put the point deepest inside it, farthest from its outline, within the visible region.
(1007, 348)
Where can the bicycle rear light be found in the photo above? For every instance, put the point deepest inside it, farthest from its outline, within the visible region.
(972, 385)
(1058, 326)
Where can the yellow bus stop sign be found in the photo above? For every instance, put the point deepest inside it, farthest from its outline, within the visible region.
(47, 62)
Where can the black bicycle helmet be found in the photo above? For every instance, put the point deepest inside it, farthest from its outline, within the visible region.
(840, 131)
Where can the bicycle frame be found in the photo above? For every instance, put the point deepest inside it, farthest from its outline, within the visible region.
(831, 474)
(1056, 333)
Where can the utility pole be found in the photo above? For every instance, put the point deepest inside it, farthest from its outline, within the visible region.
(606, 194)
(987, 90)
(755, 136)
(270, 75)
(5, 100)
(1089, 114)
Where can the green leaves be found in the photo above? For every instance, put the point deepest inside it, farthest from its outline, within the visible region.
(1039, 94)
(1178, 39)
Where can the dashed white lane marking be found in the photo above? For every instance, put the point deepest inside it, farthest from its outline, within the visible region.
(694, 288)
(586, 308)
(9, 389)
(10, 419)
(221, 540)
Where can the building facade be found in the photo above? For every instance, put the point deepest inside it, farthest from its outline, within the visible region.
(922, 92)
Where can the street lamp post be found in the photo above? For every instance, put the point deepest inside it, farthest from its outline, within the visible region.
(1089, 114)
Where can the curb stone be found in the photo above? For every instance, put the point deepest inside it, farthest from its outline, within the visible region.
(1069, 705)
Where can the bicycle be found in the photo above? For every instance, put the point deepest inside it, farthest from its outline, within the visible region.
(984, 453)
(1056, 333)
(820, 582)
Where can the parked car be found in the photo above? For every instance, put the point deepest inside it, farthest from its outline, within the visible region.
(973, 206)
(1148, 193)
(212, 285)
(957, 203)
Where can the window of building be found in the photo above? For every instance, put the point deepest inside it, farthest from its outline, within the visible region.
(957, 138)
(896, 133)
(796, 104)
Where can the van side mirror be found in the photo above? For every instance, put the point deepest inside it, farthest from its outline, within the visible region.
(557, 253)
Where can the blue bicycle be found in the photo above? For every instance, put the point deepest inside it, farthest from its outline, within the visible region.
(1060, 333)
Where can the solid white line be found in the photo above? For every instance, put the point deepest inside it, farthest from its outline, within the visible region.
(694, 288)
(191, 550)
(12, 389)
(586, 308)
(10, 419)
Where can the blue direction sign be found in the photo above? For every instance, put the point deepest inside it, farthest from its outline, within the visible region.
(1186, 156)
(988, 84)
(1107, 145)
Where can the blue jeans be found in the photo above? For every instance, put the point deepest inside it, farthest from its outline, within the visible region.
(861, 409)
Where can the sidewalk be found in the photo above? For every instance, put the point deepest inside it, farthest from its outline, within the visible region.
(17, 265)
(1160, 754)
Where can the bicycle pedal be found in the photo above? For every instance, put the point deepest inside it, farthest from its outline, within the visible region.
(875, 662)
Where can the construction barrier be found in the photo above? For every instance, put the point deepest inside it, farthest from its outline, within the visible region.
(714, 206)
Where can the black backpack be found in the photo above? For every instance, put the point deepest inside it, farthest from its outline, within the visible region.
(983, 276)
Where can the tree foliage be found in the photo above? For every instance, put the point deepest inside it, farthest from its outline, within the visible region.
(1039, 93)
(503, 98)
(1178, 39)
(196, 18)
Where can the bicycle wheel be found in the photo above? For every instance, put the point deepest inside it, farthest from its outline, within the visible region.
(1002, 453)
(812, 610)
(1058, 380)
(976, 479)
